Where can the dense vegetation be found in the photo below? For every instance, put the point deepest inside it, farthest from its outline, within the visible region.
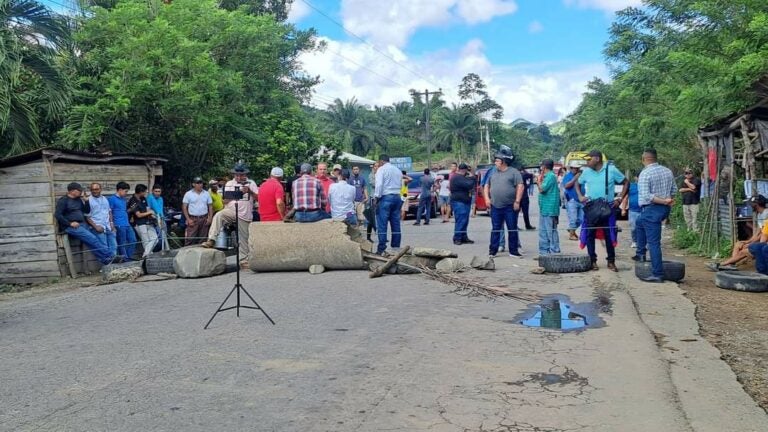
(677, 65)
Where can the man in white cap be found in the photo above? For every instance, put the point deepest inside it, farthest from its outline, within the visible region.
(573, 206)
(243, 218)
(272, 197)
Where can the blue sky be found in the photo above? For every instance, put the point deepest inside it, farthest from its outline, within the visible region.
(535, 55)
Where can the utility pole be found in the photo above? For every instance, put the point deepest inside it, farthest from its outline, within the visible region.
(426, 94)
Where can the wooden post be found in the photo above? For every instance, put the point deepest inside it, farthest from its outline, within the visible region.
(64, 241)
(379, 271)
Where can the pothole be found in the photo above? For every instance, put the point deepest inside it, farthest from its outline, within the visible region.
(559, 313)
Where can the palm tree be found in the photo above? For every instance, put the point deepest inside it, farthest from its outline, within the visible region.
(31, 85)
(353, 125)
(454, 129)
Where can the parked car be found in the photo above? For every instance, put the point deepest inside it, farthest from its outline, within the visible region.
(480, 204)
(414, 193)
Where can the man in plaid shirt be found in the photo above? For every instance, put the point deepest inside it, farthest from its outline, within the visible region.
(656, 188)
(309, 199)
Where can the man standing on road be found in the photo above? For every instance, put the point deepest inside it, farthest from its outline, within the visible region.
(361, 192)
(656, 189)
(197, 207)
(325, 181)
(126, 237)
(503, 192)
(70, 216)
(100, 219)
(387, 195)
(462, 188)
(341, 195)
(525, 204)
(591, 187)
(143, 219)
(272, 197)
(573, 206)
(426, 184)
(549, 209)
(691, 190)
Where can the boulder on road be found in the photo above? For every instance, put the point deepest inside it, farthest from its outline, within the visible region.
(450, 265)
(196, 262)
(433, 253)
(316, 269)
(482, 263)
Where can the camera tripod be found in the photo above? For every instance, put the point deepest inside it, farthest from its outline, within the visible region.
(238, 286)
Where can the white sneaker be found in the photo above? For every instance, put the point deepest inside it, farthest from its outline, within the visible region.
(633, 245)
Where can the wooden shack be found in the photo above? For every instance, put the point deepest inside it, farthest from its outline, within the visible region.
(30, 249)
(733, 148)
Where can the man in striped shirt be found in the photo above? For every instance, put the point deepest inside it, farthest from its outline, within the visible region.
(656, 188)
(309, 199)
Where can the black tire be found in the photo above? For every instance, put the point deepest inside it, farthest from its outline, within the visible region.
(674, 271)
(741, 281)
(565, 263)
(160, 263)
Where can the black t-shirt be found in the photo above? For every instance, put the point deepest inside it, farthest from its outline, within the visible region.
(527, 181)
(139, 205)
(461, 188)
(690, 198)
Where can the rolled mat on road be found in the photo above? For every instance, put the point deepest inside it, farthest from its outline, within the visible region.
(297, 246)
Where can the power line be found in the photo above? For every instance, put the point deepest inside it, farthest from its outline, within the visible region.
(363, 40)
(369, 69)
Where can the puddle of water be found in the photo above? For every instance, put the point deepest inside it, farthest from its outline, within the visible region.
(557, 312)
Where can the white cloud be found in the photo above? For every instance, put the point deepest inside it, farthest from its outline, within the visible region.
(543, 92)
(535, 27)
(606, 5)
(299, 10)
(393, 22)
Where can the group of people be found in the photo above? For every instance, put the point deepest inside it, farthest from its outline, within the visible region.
(109, 226)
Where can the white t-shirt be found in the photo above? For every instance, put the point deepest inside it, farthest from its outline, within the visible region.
(197, 203)
(762, 217)
(444, 187)
(342, 198)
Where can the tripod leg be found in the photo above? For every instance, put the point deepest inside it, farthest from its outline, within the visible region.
(257, 305)
(220, 306)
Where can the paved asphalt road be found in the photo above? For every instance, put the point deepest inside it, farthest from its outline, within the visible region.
(350, 353)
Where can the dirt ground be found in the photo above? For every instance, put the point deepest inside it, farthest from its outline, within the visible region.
(735, 322)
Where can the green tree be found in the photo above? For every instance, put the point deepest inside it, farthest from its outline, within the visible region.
(33, 89)
(455, 130)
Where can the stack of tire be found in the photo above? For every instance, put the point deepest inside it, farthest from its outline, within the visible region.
(742, 281)
(565, 263)
(161, 262)
(674, 271)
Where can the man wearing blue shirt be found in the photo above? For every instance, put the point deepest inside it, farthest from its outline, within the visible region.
(591, 187)
(126, 237)
(573, 206)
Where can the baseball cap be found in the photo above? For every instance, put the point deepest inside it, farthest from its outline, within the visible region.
(276, 172)
(759, 200)
(197, 180)
(596, 153)
(336, 167)
(74, 186)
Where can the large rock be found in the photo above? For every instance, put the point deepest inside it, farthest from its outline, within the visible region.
(129, 271)
(482, 263)
(450, 265)
(295, 247)
(196, 262)
(433, 253)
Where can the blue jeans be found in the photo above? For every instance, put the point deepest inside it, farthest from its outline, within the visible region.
(633, 215)
(388, 214)
(549, 241)
(94, 244)
(461, 216)
(575, 211)
(126, 241)
(499, 217)
(425, 208)
(649, 234)
(108, 239)
(760, 252)
(312, 216)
